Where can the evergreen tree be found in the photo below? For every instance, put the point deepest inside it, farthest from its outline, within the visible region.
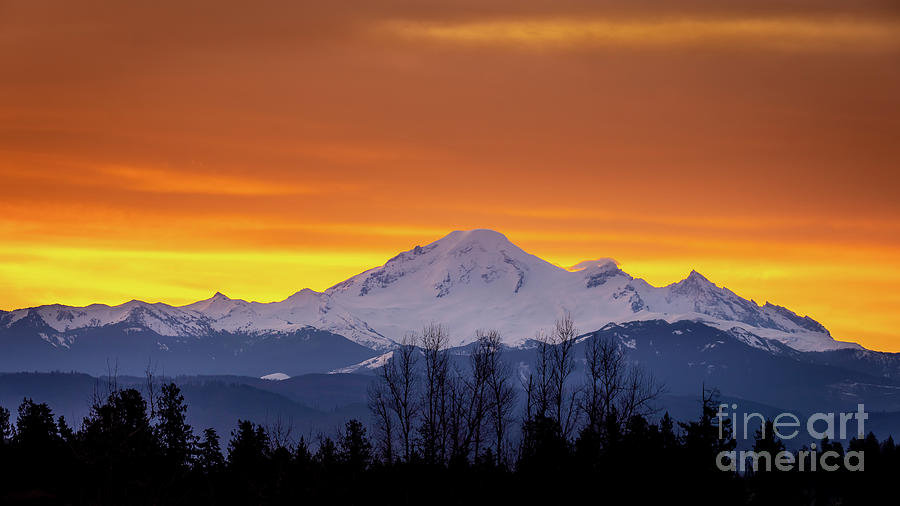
(705, 438)
(327, 455)
(37, 446)
(65, 432)
(667, 434)
(35, 428)
(209, 452)
(303, 458)
(767, 443)
(248, 459)
(175, 436)
(302, 469)
(120, 450)
(889, 454)
(544, 448)
(119, 428)
(248, 448)
(6, 428)
(354, 448)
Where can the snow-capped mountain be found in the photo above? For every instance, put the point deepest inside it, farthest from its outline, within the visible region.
(466, 281)
(479, 279)
(306, 308)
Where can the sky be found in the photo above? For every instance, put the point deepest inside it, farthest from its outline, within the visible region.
(167, 150)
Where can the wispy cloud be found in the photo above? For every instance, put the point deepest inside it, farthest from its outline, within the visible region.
(188, 181)
(798, 34)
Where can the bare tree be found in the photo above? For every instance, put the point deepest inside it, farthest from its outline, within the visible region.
(500, 392)
(280, 432)
(458, 399)
(563, 396)
(399, 380)
(471, 408)
(112, 377)
(151, 384)
(605, 366)
(540, 381)
(548, 390)
(479, 400)
(434, 431)
(616, 390)
(641, 389)
(380, 407)
(528, 386)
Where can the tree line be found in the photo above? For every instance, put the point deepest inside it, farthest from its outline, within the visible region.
(443, 430)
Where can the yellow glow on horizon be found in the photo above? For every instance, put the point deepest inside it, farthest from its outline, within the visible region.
(807, 288)
(31, 276)
(109, 276)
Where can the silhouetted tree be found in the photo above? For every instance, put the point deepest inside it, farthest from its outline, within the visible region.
(668, 438)
(248, 456)
(767, 443)
(176, 437)
(704, 439)
(399, 391)
(66, 434)
(120, 447)
(6, 428)
(477, 396)
(327, 455)
(538, 384)
(502, 395)
(544, 448)
(209, 452)
(379, 402)
(616, 391)
(248, 448)
(303, 458)
(354, 448)
(459, 417)
(35, 428)
(563, 396)
(435, 406)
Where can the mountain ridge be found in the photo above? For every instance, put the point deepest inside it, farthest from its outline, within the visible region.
(465, 280)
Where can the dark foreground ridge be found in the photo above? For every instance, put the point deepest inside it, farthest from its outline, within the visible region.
(435, 434)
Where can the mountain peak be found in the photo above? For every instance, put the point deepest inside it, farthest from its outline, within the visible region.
(483, 238)
(694, 285)
(219, 304)
(693, 281)
(133, 303)
(216, 297)
(464, 261)
(305, 295)
(484, 234)
(696, 277)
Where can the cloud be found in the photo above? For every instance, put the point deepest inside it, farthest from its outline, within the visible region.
(189, 181)
(774, 33)
(186, 180)
(584, 264)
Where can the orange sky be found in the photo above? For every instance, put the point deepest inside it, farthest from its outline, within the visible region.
(166, 151)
